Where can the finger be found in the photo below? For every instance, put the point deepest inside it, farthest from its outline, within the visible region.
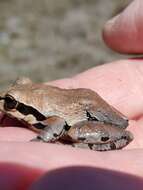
(28, 161)
(47, 157)
(119, 83)
(17, 177)
(123, 33)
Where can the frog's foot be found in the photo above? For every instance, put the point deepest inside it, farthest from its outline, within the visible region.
(37, 139)
(98, 136)
(51, 129)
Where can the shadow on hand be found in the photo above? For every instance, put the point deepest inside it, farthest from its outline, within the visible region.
(19, 177)
(87, 178)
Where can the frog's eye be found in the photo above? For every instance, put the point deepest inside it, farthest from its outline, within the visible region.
(104, 139)
(9, 102)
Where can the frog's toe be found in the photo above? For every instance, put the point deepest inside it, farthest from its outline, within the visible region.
(37, 139)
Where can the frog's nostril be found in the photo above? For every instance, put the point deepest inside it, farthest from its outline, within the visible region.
(125, 122)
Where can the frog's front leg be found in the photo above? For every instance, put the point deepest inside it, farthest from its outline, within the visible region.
(98, 136)
(51, 129)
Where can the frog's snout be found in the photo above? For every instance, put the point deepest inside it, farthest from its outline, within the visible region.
(125, 122)
(121, 122)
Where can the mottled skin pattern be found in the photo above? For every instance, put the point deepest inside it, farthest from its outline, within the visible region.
(80, 116)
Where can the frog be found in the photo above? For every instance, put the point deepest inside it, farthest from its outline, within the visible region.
(77, 117)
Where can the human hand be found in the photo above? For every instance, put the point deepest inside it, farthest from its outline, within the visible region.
(61, 167)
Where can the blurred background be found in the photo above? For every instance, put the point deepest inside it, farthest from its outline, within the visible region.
(52, 39)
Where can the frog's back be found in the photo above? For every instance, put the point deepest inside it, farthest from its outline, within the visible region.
(76, 105)
(70, 104)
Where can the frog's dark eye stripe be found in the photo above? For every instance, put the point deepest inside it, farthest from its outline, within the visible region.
(39, 125)
(26, 110)
(9, 102)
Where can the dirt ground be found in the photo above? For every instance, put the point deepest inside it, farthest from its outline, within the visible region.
(51, 39)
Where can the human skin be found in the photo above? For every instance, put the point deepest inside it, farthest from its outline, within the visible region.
(34, 166)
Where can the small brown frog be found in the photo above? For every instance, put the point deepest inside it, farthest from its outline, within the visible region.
(79, 117)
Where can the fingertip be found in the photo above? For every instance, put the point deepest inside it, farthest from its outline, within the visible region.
(111, 34)
(117, 36)
(123, 33)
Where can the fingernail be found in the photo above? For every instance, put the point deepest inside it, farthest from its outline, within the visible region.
(109, 25)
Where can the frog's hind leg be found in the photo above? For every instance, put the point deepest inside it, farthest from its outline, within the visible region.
(52, 129)
(95, 147)
(97, 136)
(102, 147)
(111, 145)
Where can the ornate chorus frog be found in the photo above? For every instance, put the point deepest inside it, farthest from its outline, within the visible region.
(77, 117)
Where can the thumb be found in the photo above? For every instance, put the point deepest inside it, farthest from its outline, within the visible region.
(124, 32)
